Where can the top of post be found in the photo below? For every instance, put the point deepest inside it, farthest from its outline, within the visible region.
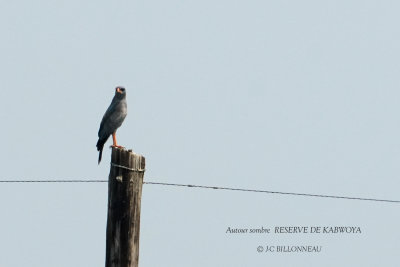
(127, 159)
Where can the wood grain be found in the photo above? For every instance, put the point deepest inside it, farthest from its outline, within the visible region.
(124, 199)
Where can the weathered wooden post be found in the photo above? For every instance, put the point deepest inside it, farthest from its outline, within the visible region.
(124, 199)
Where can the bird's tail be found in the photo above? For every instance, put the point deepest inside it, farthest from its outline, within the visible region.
(100, 145)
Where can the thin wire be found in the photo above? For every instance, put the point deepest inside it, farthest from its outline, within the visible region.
(210, 187)
(275, 192)
(127, 168)
(53, 181)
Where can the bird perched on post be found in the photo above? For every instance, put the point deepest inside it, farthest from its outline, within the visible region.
(112, 119)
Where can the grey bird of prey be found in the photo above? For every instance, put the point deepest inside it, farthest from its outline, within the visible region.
(112, 120)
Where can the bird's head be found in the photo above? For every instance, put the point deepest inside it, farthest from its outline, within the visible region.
(120, 91)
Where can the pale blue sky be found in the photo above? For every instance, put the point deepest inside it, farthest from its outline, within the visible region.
(298, 96)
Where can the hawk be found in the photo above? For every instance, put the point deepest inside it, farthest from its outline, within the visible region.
(112, 120)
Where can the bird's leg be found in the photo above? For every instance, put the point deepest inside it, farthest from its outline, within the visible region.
(115, 141)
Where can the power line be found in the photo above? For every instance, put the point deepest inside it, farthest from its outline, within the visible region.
(53, 181)
(210, 187)
(276, 192)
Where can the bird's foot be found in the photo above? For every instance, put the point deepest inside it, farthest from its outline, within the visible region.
(117, 146)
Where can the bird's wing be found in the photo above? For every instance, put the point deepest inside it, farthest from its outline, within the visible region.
(106, 119)
(112, 119)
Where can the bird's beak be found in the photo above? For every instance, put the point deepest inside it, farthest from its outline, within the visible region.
(119, 90)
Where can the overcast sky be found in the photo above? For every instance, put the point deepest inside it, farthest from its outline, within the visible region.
(294, 96)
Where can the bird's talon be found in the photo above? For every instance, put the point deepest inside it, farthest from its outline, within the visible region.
(117, 146)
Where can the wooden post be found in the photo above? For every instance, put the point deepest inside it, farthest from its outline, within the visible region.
(124, 199)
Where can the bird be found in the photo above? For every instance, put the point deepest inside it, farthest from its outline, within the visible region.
(112, 120)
